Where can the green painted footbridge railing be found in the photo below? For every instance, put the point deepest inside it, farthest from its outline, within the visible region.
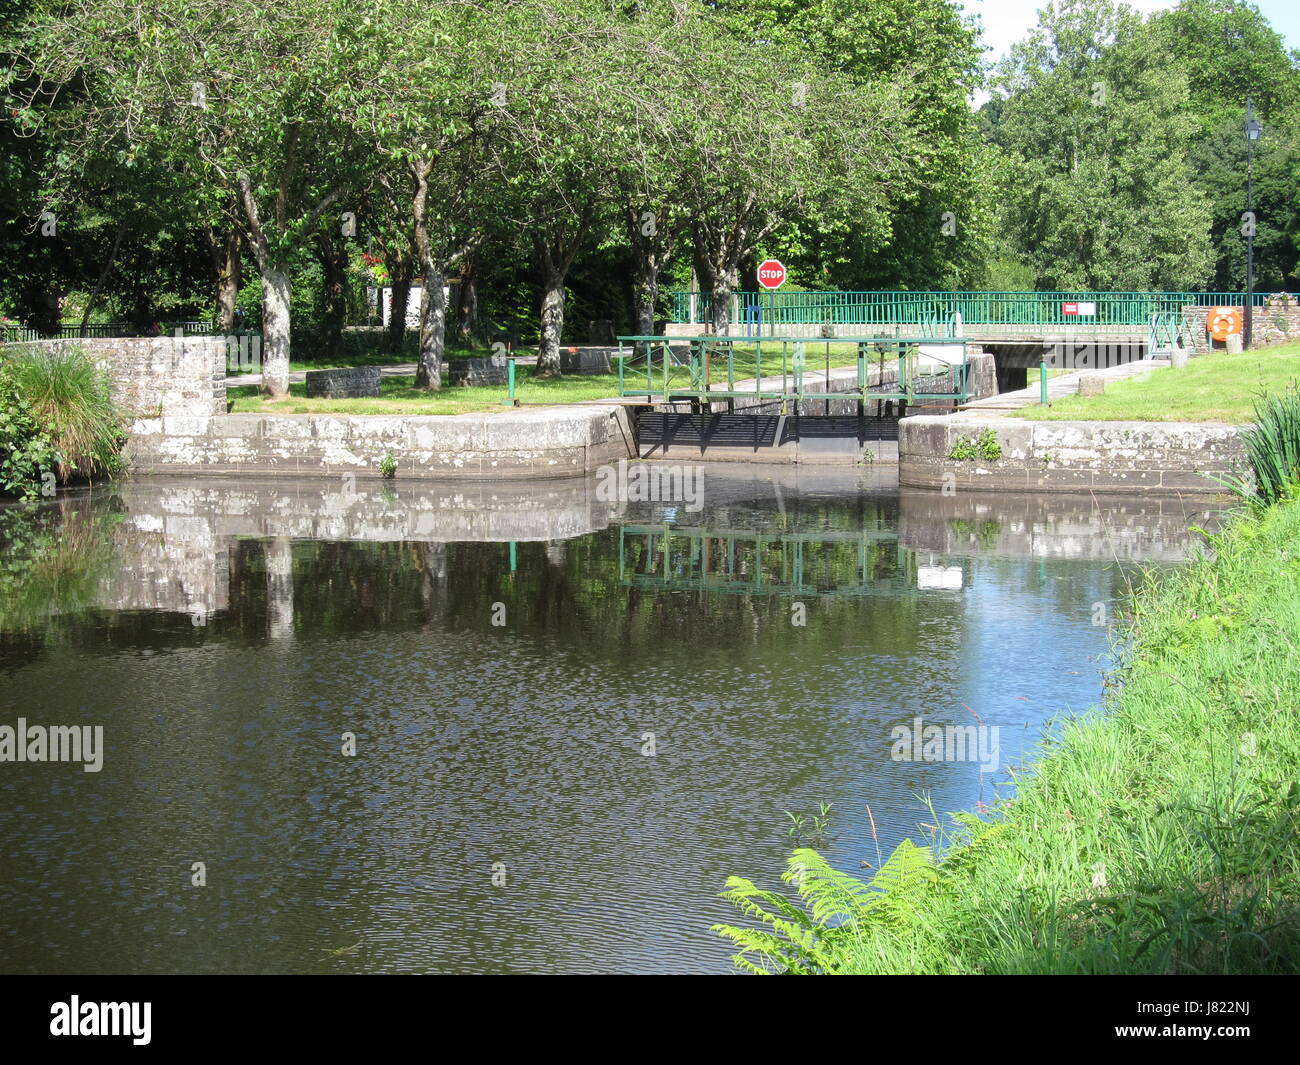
(768, 311)
(710, 368)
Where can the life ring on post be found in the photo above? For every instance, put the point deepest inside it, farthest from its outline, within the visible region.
(1223, 322)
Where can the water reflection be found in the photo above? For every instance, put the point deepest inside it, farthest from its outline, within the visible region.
(227, 635)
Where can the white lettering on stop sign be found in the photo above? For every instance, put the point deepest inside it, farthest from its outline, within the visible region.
(771, 273)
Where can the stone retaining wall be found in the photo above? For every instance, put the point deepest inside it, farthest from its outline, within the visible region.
(489, 370)
(1060, 456)
(1274, 323)
(160, 377)
(347, 383)
(550, 441)
(584, 361)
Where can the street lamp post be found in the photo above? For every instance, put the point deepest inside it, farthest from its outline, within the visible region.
(1253, 130)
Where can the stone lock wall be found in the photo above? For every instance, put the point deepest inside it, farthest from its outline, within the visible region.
(173, 390)
(1069, 456)
(552, 441)
(159, 377)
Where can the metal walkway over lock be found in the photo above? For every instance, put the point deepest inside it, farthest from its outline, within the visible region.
(705, 369)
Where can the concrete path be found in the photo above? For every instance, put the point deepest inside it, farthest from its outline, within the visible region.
(1058, 387)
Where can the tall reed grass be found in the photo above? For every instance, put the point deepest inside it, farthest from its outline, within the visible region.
(1272, 446)
(71, 399)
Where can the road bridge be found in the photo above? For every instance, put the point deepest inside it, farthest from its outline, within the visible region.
(1021, 323)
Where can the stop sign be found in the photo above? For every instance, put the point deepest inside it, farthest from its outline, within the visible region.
(771, 273)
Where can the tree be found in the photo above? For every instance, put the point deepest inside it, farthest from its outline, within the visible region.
(257, 103)
(939, 229)
(1231, 53)
(554, 140)
(437, 109)
(789, 141)
(1096, 126)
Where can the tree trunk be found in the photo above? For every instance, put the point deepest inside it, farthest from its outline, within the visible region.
(275, 333)
(399, 273)
(433, 328)
(99, 283)
(467, 308)
(332, 255)
(724, 284)
(556, 251)
(552, 315)
(650, 251)
(276, 289)
(227, 263)
(433, 305)
(645, 296)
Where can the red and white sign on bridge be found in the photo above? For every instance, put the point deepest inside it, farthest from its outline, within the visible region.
(771, 273)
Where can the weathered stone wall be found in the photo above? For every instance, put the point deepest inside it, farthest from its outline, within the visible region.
(1132, 457)
(174, 391)
(1274, 323)
(584, 361)
(159, 377)
(346, 383)
(549, 441)
(490, 370)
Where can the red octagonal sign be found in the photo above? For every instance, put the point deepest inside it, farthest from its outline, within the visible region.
(771, 273)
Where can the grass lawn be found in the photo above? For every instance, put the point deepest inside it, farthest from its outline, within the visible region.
(1217, 387)
(398, 395)
(382, 358)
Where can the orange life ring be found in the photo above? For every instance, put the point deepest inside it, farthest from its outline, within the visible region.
(1223, 322)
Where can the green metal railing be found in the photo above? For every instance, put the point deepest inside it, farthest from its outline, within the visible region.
(97, 330)
(1167, 330)
(810, 565)
(768, 311)
(710, 368)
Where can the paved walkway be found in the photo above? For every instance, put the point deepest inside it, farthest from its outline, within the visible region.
(1059, 386)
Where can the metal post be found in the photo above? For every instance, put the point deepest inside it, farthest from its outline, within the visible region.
(1248, 324)
(1042, 382)
(510, 401)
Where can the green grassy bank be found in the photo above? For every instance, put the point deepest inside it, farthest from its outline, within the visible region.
(1157, 837)
(398, 395)
(1215, 387)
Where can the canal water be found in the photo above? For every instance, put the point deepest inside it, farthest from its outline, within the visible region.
(410, 728)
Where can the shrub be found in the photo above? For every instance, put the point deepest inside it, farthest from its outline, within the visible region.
(26, 449)
(70, 397)
(388, 465)
(985, 446)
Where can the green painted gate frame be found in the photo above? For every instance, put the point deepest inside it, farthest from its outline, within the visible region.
(660, 361)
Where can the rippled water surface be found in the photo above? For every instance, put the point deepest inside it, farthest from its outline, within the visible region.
(226, 636)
